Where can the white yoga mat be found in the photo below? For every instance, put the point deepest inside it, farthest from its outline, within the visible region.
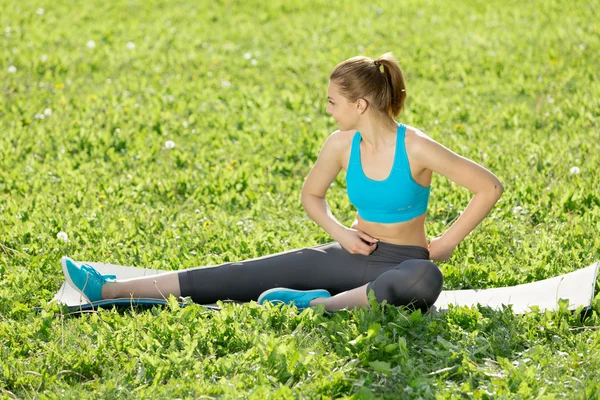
(577, 287)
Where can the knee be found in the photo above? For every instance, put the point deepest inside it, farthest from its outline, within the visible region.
(414, 283)
(432, 278)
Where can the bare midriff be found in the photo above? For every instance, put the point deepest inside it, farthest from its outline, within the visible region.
(410, 233)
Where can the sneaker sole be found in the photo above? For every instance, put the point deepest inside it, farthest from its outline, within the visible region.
(267, 292)
(63, 263)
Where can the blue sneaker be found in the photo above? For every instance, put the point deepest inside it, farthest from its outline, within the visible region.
(300, 298)
(85, 279)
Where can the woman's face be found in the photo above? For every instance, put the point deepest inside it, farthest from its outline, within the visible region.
(344, 113)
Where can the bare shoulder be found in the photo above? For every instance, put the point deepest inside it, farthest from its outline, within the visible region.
(418, 146)
(340, 141)
(415, 138)
(343, 137)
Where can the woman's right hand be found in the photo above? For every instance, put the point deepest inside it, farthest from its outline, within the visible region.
(357, 242)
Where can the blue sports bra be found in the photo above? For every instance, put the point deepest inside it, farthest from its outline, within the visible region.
(397, 198)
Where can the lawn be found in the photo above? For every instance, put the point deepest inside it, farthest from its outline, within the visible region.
(178, 134)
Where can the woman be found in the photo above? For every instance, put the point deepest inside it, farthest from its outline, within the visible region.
(388, 174)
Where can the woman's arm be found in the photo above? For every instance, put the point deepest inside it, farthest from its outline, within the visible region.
(315, 187)
(486, 186)
(325, 170)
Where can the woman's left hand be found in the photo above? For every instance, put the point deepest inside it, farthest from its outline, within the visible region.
(439, 250)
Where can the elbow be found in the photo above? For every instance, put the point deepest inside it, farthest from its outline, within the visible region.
(492, 190)
(498, 189)
(304, 199)
(305, 194)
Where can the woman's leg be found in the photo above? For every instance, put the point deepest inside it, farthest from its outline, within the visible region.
(147, 287)
(413, 283)
(356, 297)
(402, 275)
(327, 266)
(348, 277)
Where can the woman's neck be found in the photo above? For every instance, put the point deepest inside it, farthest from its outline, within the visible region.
(378, 134)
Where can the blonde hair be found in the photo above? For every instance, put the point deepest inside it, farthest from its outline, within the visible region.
(361, 77)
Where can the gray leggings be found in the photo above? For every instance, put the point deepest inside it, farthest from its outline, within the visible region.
(402, 275)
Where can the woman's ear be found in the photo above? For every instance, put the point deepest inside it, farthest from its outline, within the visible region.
(362, 105)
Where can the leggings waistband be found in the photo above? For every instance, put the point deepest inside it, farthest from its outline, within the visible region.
(391, 249)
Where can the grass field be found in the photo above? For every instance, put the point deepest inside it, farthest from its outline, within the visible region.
(178, 134)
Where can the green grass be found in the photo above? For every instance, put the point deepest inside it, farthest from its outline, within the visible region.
(511, 85)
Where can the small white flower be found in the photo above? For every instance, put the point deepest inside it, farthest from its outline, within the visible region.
(48, 111)
(63, 236)
(517, 209)
(108, 80)
(119, 244)
(12, 69)
(130, 45)
(240, 223)
(91, 44)
(225, 83)
(248, 56)
(44, 58)
(40, 11)
(253, 62)
(169, 144)
(575, 170)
